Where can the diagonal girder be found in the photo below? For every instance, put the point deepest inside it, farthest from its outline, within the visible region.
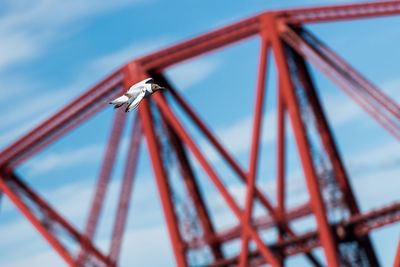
(377, 109)
(57, 124)
(94, 100)
(44, 218)
(126, 190)
(327, 237)
(255, 146)
(359, 225)
(339, 12)
(230, 160)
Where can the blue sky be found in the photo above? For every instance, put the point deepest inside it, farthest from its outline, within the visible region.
(53, 50)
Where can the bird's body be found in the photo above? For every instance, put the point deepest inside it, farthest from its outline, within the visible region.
(136, 93)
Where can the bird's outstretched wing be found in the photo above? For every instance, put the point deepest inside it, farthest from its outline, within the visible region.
(139, 85)
(136, 101)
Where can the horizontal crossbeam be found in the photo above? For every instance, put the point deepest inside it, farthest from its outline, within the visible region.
(358, 225)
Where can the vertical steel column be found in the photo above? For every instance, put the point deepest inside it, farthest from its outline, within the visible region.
(22, 192)
(190, 178)
(396, 262)
(281, 158)
(329, 144)
(126, 190)
(326, 235)
(358, 93)
(194, 192)
(255, 147)
(219, 147)
(61, 250)
(230, 160)
(162, 184)
(104, 178)
(174, 122)
(368, 87)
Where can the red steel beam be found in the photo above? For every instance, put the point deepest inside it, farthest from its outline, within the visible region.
(13, 187)
(260, 223)
(328, 143)
(202, 44)
(235, 32)
(339, 12)
(207, 132)
(327, 237)
(280, 159)
(25, 210)
(255, 147)
(396, 262)
(375, 109)
(162, 184)
(325, 133)
(104, 178)
(60, 118)
(267, 254)
(42, 136)
(306, 242)
(234, 165)
(189, 178)
(220, 148)
(369, 87)
(64, 129)
(194, 193)
(126, 190)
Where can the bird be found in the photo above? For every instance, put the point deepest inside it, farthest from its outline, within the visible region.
(136, 93)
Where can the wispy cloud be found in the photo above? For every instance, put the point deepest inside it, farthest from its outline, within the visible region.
(29, 27)
(236, 135)
(37, 106)
(64, 160)
(188, 74)
(19, 232)
(116, 58)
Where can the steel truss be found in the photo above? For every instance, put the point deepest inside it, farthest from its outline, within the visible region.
(344, 242)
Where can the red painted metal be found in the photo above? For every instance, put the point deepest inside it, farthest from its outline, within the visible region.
(126, 190)
(292, 46)
(308, 241)
(254, 152)
(192, 187)
(27, 201)
(280, 159)
(94, 96)
(326, 235)
(340, 12)
(396, 262)
(163, 185)
(104, 175)
(379, 110)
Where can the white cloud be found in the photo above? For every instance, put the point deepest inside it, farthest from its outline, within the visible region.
(349, 110)
(37, 106)
(65, 159)
(45, 257)
(236, 136)
(27, 108)
(115, 59)
(25, 30)
(138, 243)
(28, 28)
(189, 73)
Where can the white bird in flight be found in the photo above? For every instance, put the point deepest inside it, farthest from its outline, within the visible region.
(136, 93)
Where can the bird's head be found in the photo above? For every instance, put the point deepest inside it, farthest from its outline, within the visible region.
(156, 87)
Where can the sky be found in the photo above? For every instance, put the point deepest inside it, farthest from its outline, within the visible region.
(54, 50)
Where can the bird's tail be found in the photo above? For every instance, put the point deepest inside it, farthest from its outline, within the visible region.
(120, 101)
